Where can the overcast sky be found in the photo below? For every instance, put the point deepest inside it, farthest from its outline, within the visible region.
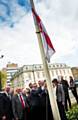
(18, 40)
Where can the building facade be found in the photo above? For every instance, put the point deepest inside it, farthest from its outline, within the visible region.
(11, 69)
(75, 72)
(34, 73)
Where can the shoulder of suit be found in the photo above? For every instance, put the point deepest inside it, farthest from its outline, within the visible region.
(1, 92)
(15, 95)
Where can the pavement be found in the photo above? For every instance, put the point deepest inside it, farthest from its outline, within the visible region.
(73, 100)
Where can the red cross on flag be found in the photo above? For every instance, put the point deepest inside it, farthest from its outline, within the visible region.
(47, 45)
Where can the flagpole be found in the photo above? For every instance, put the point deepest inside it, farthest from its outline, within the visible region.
(53, 103)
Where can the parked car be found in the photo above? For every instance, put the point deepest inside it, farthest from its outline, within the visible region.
(76, 83)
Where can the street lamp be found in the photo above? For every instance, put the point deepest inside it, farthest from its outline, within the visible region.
(33, 73)
(0, 74)
(1, 56)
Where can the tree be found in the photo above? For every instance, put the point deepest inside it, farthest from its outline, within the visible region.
(0, 82)
(3, 78)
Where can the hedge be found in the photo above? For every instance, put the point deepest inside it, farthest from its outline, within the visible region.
(72, 114)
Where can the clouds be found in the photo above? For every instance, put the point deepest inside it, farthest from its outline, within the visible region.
(11, 11)
(61, 19)
(60, 11)
(19, 43)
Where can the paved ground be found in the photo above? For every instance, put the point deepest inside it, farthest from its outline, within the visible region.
(72, 97)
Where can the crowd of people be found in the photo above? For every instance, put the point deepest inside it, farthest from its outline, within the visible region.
(33, 103)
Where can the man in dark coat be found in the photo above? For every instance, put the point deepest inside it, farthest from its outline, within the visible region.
(66, 92)
(5, 107)
(73, 88)
(46, 112)
(35, 103)
(18, 105)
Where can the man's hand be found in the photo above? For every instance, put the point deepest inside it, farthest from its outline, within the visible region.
(63, 103)
(16, 118)
(4, 117)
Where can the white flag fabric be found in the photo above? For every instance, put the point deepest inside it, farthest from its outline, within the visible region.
(47, 45)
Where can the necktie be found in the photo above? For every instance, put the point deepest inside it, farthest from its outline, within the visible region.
(22, 101)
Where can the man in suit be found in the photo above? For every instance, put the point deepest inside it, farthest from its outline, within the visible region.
(66, 92)
(73, 88)
(46, 112)
(60, 97)
(18, 105)
(5, 107)
(35, 103)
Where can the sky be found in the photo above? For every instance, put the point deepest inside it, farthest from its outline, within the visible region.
(18, 40)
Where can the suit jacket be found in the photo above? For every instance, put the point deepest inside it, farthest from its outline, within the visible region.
(60, 93)
(17, 107)
(5, 106)
(65, 87)
(35, 98)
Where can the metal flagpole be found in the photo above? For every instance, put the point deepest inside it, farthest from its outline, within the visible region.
(53, 103)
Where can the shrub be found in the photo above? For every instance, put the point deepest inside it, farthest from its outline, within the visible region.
(72, 114)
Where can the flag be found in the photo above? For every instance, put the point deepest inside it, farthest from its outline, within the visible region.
(47, 45)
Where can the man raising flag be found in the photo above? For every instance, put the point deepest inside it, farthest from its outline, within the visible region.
(46, 49)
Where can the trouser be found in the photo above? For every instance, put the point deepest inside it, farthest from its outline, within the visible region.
(61, 111)
(67, 99)
(35, 113)
(75, 94)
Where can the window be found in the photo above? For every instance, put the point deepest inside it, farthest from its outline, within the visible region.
(40, 66)
(43, 74)
(26, 68)
(38, 75)
(68, 71)
(60, 72)
(61, 65)
(56, 72)
(52, 73)
(64, 72)
(49, 66)
(59, 77)
(65, 77)
(53, 65)
(57, 66)
(29, 75)
(35, 67)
